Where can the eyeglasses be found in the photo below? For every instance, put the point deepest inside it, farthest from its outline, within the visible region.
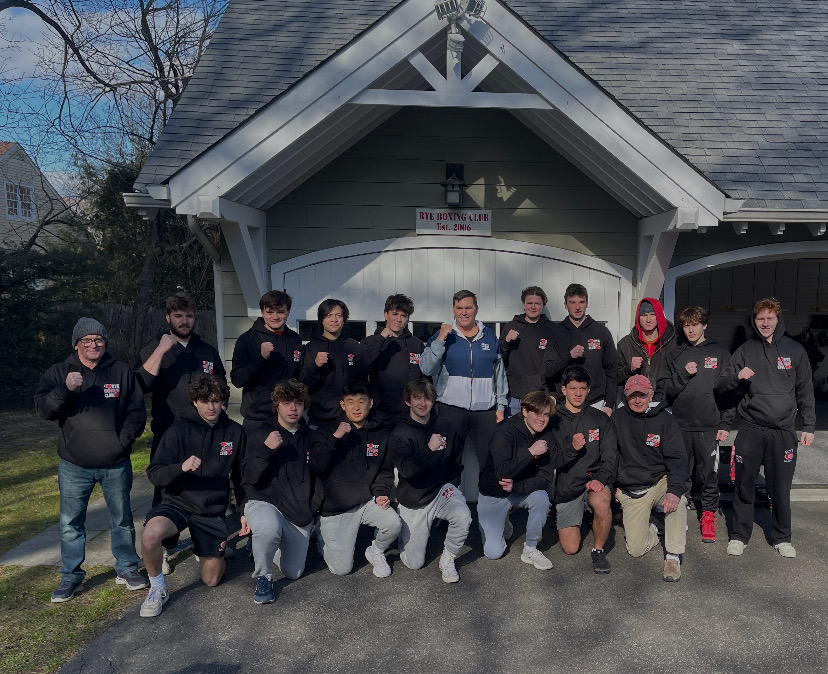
(89, 342)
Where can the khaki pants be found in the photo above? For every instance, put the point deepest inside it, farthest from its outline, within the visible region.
(638, 533)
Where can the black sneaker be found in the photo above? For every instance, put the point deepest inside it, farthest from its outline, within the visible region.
(264, 591)
(65, 591)
(599, 562)
(133, 580)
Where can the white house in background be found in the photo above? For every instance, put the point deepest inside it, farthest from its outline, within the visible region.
(634, 146)
(28, 197)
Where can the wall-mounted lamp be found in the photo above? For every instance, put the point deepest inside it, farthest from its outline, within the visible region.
(454, 185)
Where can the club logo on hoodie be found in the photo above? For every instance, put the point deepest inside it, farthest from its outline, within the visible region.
(442, 443)
(350, 359)
(372, 449)
(448, 492)
(296, 356)
(711, 363)
(542, 344)
(207, 366)
(225, 449)
(595, 435)
(593, 344)
(414, 358)
(653, 440)
(789, 454)
(784, 363)
(112, 390)
(485, 346)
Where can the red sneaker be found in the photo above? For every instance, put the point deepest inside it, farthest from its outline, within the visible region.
(708, 526)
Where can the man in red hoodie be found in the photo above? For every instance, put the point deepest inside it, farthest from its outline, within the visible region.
(647, 348)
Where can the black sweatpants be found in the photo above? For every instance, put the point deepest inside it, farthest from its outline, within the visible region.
(703, 460)
(776, 450)
(479, 424)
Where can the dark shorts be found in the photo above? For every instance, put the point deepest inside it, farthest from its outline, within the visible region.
(209, 534)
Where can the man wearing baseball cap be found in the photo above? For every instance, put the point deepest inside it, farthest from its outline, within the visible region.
(652, 471)
(100, 410)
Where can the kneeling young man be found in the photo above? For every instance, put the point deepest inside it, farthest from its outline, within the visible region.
(279, 489)
(652, 471)
(429, 466)
(351, 458)
(589, 478)
(193, 465)
(514, 477)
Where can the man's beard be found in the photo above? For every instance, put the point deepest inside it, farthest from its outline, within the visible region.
(175, 333)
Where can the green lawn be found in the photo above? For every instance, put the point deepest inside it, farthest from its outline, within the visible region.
(30, 640)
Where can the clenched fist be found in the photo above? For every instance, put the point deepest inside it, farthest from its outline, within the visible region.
(74, 380)
(538, 448)
(576, 351)
(267, 349)
(445, 331)
(166, 342)
(512, 335)
(578, 441)
(191, 464)
(691, 368)
(342, 430)
(745, 373)
(636, 363)
(387, 333)
(321, 358)
(435, 443)
(274, 440)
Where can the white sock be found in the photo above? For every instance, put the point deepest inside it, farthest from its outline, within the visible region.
(269, 576)
(157, 582)
(675, 558)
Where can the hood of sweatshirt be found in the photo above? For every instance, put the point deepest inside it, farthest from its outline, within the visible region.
(521, 318)
(778, 332)
(406, 333)
(661, 320)
(569, 325)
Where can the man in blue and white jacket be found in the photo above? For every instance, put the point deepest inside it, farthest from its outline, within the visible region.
(465, 358)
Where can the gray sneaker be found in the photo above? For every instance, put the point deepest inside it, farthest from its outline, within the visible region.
(447, 568)
(786, 550)
(154, 603)
(536, 558)
(735, 547)
(166, 569)
(132, 579)
(65, 591)
(377, 559)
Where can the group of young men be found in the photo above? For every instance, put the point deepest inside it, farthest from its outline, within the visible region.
(327, 426)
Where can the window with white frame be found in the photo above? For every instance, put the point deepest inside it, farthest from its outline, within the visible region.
(20, 202)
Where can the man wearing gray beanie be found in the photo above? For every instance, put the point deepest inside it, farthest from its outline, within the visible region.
(100, 410)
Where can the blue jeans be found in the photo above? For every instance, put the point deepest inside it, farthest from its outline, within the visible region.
(76, 484)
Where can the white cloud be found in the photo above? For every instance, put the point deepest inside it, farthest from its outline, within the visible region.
(22, 36)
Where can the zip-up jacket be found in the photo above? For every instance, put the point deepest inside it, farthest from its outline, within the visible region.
(696, 404)
(650, 447)
(98, 422)
(326, 383)
(600, 359)
(421, 471)
(470, 374)
(598, 460)
(256, 376)
(354, 469)
(170, 388)
(782, 381)
(523, 357)
(390, 364)
(206, 490)
(655, 355)
(280, 476)
(509, 458)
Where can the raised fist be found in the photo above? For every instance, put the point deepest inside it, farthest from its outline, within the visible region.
(267, 349)
(578, 441)
(435, 443)
(538, 448)
(342, 430)
(636, 363)
(745, 373)
(576, 351)
(321, 358)
(74, 380)
(387, 333)
(274, 440)
(191, 464)
(445, 331)
(166, 342)
(512, 335)
(691, 368)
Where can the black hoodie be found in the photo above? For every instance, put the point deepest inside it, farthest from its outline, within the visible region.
(598, 460)
(390, 364)
(280, 476)
(600, 359)
(354, 469)
(523, 357)
(650, 447)
(509, 458)
(781, 383)
(633, 345)
(421, 471)
(696, 405)
(98, 422)
(326, 383)
(206, 490)
(171, 387)
(257, 376)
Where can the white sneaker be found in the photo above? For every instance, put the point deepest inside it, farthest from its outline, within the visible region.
(166, 569)
(376, 557)
(735, 547)
(536, 558)
(154, 603)
(786, 550)
(508, 529)
(447, 568)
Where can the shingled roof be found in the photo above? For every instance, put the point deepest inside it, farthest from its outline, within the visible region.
(740, 89)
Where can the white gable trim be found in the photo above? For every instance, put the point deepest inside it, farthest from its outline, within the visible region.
(594, 116)
(794, 249)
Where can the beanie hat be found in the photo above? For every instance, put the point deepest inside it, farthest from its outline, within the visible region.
(646, 308)
(87, 326)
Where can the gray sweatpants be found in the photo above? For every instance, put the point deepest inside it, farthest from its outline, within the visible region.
(339, 533)
(449, 505)
(492, 513)
(276, 541)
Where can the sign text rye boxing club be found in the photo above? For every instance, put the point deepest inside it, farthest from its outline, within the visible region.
(454, 221)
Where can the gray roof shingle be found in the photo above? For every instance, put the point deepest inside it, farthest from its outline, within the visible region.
(740, 89)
